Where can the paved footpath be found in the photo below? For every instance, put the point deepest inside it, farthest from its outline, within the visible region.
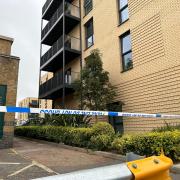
(30, 159)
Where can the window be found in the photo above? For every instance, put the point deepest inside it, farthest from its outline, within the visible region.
(123, 11)
(87, 6)
(126, 51)
(89, 33)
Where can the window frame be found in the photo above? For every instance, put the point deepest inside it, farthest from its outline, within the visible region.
(125, 53)
(86, 5)
(120, 12)
(92, 35)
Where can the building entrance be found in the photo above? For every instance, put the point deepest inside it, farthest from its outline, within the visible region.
(2, 103)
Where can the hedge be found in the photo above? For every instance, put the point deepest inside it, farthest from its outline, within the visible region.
(81, 137)
(150, 144)
(102, 137)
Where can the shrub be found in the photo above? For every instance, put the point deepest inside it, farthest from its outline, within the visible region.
(150, 144)
(103, 128)
(60, 120)
(100, 142)
(98, 137)
(68, 135)
(167, 127)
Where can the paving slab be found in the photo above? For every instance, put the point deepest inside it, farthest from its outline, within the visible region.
(32, 159)
(60, 160)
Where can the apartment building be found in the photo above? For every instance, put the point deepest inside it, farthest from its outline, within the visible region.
(29, 102)
(140, 44)
(45, 103)
(9, 66)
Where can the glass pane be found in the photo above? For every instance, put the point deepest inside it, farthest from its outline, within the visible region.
(127, 59)
(124, 15)
(88, 6)
(122, 3)
(89, 28)
(90, 41)
(86, 2)
(126, 43)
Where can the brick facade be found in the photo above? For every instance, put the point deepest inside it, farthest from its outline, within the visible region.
(152, 85)
(8, 76)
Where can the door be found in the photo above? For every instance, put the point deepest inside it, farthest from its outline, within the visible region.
(3, 90)
(116, 122)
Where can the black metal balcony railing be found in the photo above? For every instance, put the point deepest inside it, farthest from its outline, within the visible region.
(70, 9)
(53, 20)
(56, 82)
(46, 6)
(70, 42)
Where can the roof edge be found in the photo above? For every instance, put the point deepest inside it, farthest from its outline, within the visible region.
(7, 38)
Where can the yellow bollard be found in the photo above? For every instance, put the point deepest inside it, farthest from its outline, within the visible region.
(152, 168)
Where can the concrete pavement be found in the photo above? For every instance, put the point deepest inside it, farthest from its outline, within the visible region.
(30, 159)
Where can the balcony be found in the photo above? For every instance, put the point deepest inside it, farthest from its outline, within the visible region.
(54, 28)
(52, 60)
(49, 8)
(53, 88)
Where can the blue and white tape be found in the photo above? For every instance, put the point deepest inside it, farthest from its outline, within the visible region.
(10, 109)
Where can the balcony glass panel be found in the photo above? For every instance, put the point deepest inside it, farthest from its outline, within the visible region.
(72, 10)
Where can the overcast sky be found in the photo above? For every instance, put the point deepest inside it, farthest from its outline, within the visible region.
(21, 20)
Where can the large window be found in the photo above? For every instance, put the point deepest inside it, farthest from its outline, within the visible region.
(87, 6)
(126, 51)
(89, 33)
(123, 11)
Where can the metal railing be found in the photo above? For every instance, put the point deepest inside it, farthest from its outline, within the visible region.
(57, 81)
(52, 51)
(112, 172)
(53, 20)
(70, 42)
(69, 9)
(46, 6)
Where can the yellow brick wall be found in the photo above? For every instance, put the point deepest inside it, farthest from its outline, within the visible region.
(9, 66)
(5, 45)
(152, 85)
(25, 103)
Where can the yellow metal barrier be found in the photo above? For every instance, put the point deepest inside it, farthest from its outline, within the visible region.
(152, 168)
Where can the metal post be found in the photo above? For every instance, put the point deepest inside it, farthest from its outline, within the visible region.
(80, 47)
(40, 60)
(63, 96)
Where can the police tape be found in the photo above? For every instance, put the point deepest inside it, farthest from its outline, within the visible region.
(10, 109)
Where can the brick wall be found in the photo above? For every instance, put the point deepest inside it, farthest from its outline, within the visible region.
(9, 76)
(152, 86)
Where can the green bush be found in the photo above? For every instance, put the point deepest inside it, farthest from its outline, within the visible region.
(150, 144)
(103, 128)
(98, 137)
(167, 127)
(100, 142)
(102, 137)
(68, 135)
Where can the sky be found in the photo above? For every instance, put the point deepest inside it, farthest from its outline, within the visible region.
(21, 20)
